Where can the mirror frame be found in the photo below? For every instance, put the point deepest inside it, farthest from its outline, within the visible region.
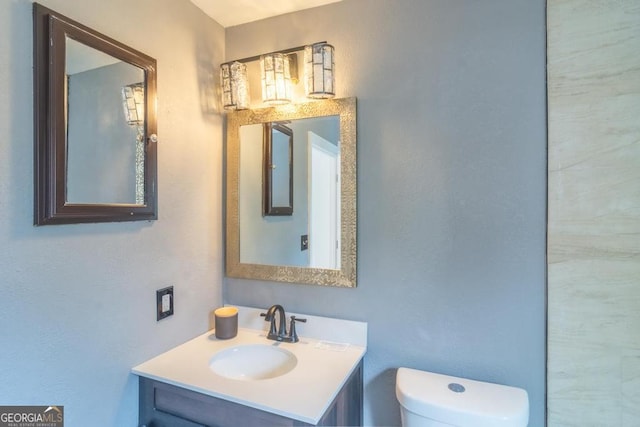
(345, 108)
(268, 209)
(50, 199)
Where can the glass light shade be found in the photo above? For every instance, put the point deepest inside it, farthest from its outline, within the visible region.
(133, 103)
(235, 86)
(276, 78)
(319, 71)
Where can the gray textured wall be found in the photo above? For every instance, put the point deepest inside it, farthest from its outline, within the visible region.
(78, 301)
(451, 181)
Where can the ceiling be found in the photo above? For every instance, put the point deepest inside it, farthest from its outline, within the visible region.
(235, 12)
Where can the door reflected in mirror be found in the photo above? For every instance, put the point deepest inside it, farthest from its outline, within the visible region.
(316, 242)
(105, 144)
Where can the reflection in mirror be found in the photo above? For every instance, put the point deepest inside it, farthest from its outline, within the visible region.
(105, 146)
(95, 124)
(276, 241)
(317, 242)
(277, 167)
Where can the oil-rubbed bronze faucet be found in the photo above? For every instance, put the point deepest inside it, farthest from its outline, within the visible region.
(281, 334)
(270, 316)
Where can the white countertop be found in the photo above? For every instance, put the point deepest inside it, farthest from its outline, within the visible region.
(304, 393)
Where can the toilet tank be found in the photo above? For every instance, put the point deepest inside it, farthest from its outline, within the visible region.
(460, 402)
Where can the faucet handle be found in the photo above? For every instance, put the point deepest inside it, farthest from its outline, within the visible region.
(292, 328)
(272, 325)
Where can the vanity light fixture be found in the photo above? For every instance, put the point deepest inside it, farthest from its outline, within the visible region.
(276, 78)
(278, 70)
(319, 71)
(133, 102)
(235, 86)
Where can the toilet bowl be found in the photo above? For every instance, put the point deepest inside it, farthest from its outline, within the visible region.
(433, 400)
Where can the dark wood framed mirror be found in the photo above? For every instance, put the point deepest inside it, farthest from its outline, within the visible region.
(277, 169)
(95, 125)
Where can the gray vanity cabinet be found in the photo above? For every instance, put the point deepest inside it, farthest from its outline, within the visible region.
(165, 405)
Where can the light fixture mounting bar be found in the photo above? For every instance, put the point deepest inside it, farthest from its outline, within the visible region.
(257, 57)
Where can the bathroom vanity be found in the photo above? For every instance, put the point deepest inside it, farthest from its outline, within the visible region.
(250, 380)
(162, 404)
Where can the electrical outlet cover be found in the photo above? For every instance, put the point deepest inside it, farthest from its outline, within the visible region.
(164, 302)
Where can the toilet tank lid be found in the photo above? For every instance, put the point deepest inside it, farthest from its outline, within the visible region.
(460, 401)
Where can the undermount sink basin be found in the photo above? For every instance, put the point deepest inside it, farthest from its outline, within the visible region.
(253, 362)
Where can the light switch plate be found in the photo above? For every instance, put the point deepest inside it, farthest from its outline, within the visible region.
(164, 302)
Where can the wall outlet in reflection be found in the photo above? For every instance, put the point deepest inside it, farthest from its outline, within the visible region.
(164, 302)
(304, 242)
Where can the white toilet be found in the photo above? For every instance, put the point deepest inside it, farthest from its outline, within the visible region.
(434, 400)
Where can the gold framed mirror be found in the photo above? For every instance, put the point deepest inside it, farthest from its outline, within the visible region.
(317, 243)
